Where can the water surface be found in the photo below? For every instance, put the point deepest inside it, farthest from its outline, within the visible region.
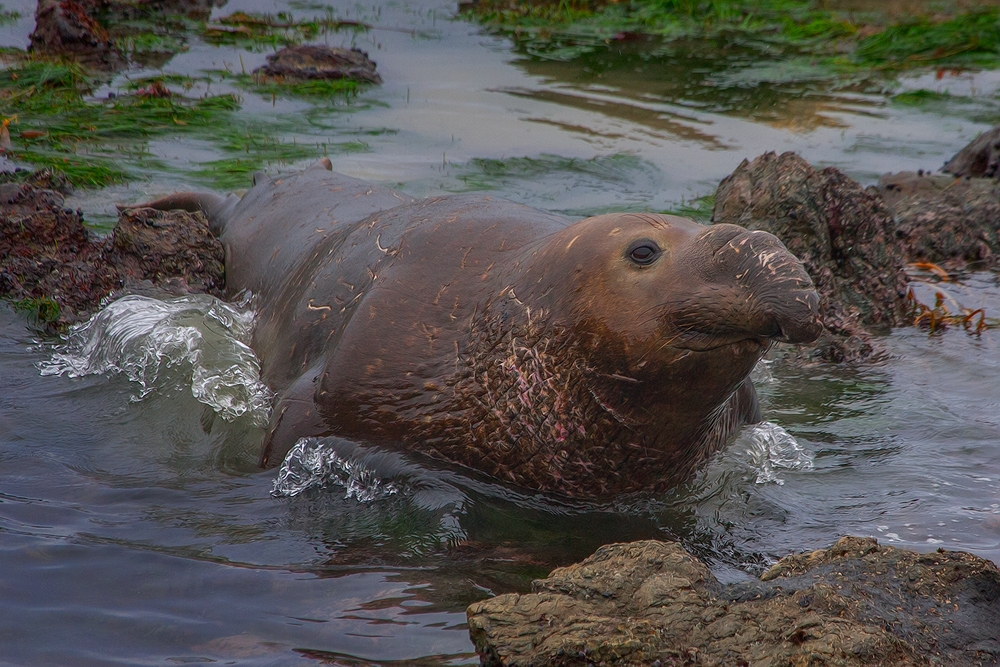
(135, 528)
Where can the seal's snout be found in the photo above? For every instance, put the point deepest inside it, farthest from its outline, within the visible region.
(783, 297)
(769, 294)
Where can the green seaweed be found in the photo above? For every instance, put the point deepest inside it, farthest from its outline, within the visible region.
(313, 90)
(82, 171)
(251, 30)
(52, 123)
(915, 98)
(147, 36)
(699, 209)
(184, 81)
(493, 174)
(140, 45)
(971, 39)
(846, 41)
(8, 17)
(42, 84)
(41, 309)
(254, 150)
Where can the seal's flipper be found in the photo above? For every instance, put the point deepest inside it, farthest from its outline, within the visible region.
(295, 416)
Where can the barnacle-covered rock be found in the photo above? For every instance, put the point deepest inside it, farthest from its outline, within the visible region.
(315, 61)
(53, 265)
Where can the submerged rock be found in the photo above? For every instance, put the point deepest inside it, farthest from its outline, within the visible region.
(844, 235)
(51, 264)
(311, 61)
(652, 603)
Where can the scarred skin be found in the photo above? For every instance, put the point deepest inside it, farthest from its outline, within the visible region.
(586, 358)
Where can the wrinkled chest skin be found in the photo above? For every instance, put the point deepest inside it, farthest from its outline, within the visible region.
(586, 359)
(543, 409)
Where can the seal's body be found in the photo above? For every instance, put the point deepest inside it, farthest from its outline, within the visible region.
(584, 358)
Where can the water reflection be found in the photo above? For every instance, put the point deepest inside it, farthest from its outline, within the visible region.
(716, 75)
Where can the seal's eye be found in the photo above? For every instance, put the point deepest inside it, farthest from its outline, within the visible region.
(644, 252)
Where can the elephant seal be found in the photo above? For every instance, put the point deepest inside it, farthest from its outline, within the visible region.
(585, 358)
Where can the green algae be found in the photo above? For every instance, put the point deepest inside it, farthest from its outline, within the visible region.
(144, 36)
(255, 31)
(8, 17)
(921, 97)
(53, 123)
(493, 174)
(572, 186)
(312, 90)
(89, 171)
(253, 147)
(55, 118)
(44, 309)
(970, 40)
(143, 46)
(843, 41)
(698, 209)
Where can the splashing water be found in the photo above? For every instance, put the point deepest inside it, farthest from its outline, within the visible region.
(152, 341)
(773, 447)
(761, 373)
(310, 464)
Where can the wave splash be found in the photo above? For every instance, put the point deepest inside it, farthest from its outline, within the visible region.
(310, 464)
(772, 447)
(164, 343)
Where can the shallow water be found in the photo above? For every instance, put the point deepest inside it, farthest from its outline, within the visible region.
(135, 529)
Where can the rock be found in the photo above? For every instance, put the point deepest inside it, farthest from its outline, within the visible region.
(943, 219)
(47, 256)
(646, 603)
(844, 235)
(87, 30)
(167, 247)
(979, 159)
(311, 61)
(68, 28)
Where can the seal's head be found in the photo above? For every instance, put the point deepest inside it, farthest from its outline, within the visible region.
(651, 323)
(676, 283)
